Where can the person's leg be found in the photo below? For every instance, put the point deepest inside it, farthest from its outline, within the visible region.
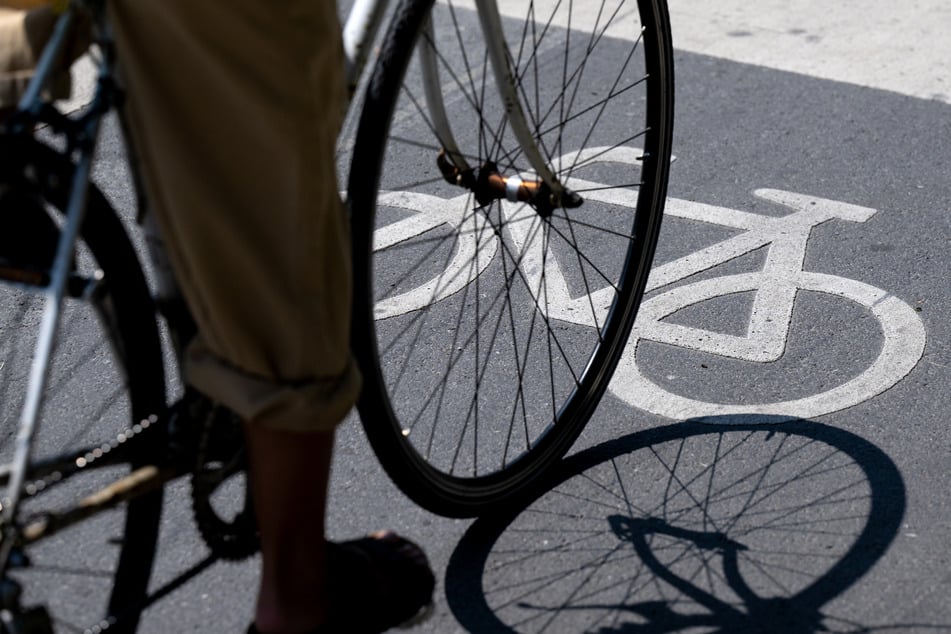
(237, 154)
(289, 473)
(234, 108)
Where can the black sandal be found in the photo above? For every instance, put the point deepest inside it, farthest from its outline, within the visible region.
(375, 583)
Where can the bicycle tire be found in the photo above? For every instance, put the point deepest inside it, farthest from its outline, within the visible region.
(446, 390)
(29, 166)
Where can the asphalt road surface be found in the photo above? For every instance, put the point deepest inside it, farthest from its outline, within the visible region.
(802, 275)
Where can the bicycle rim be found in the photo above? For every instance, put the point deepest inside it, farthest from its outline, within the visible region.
(94, 574)
(488, 331)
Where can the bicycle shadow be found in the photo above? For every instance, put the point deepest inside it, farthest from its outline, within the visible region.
(751, 527)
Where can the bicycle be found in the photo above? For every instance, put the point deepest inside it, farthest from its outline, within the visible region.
(72, 245)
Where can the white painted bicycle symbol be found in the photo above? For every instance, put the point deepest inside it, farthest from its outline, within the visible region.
(775, 287)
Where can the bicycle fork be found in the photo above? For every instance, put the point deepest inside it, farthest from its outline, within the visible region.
(544, 193)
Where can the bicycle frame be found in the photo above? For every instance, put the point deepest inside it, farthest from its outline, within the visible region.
(82, 141)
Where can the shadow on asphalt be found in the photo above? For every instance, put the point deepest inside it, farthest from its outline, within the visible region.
(750, 527)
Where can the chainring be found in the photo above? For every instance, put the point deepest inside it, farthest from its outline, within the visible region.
(221, 461)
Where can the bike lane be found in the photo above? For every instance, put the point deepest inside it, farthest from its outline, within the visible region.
(742, 129)
(778, 507)
(746, 515)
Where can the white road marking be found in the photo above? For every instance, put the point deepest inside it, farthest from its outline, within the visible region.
(776, 287)
(898, 46)
(473, 241)
(83, 74)
(903, 332)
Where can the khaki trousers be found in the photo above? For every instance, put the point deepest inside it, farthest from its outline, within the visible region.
(234, 107)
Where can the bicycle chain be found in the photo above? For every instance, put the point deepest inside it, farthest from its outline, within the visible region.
(107, 449)
(204, 439)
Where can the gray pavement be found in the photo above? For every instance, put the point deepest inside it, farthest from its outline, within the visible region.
(837, 522)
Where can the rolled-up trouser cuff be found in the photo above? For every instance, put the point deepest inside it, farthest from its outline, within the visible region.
(305, 406)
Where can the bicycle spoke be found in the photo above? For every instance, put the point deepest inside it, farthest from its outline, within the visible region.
(520, 334)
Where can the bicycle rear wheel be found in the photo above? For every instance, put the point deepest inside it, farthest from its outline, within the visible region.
(488, 330)
(95, 573)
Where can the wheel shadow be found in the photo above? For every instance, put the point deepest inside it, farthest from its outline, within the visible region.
(751, 527)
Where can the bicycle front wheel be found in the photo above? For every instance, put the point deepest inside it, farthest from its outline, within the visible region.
(488, 330)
